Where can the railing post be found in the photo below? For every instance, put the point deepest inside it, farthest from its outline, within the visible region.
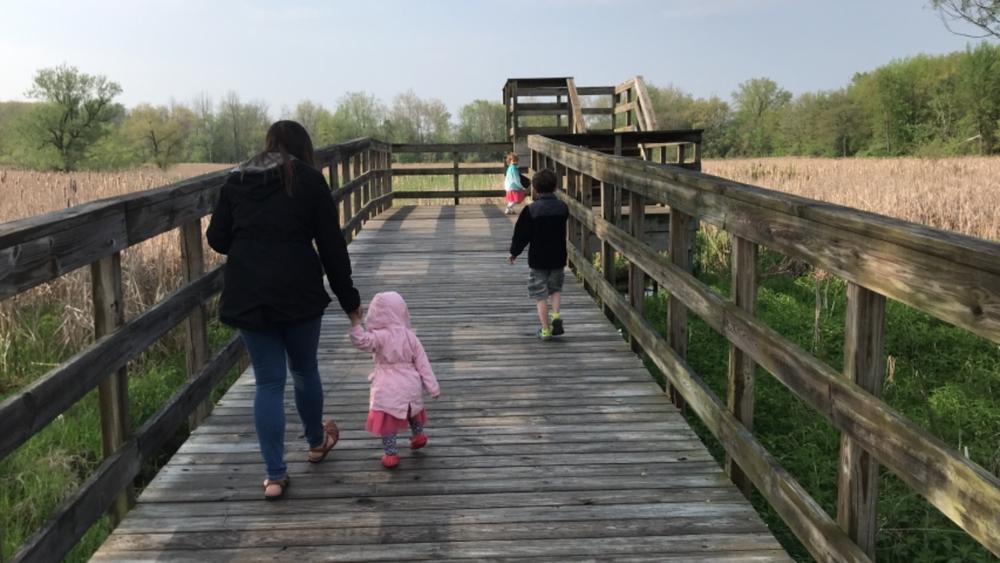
(388, 175)
(618, 189)
(740, 395)
(196, 329)
(607, 251)
(857, 479)
(636, 277)
(454, 163)
(680, 245)
(332, 171)
(345, 167)
(358, 171)
(109, 314)
(587, 199)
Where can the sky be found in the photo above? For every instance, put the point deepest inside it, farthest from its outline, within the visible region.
(455, 50)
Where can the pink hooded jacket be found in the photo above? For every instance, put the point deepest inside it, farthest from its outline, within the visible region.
(402, 370)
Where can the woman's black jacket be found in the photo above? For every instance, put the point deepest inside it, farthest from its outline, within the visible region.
(273, 274)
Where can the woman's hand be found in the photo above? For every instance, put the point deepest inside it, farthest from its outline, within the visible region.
(356, 316)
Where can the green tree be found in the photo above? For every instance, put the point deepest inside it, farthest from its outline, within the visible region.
(311, 115)
(358, 114)
(242, 126)
(758, 104)
(979, 94)
(481, 121)
(160, 134)
(76, 112)
(414, 120)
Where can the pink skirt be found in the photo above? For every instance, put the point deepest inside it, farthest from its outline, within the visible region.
(515, 196)
(382, 423)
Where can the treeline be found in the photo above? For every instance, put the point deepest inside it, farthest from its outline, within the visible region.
(923, 105)
(75, 123)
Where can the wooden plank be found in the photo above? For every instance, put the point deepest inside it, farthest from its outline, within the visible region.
(346, 201)
(448, 170)
(29, 411)
(506, 462)
(445, 194)
(636, 277)
(196, 328)
(961, 489)
(109, 316)
(953, 277)
(499, 146)
(864, 364)
(645, 108)
(625, 107)
(595, 90)
(607, 251)
(740, 391)
(577, 109)
(807, 520)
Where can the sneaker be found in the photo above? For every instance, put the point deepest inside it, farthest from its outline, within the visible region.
(390, 461)
(557, 326)
(418, 441)
(544, 334)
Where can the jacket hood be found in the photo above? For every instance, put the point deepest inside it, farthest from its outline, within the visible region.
(258, 177)
(387, 310)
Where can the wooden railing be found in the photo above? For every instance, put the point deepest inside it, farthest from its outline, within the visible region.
(40, 249)
(632, 99)
(576, 122)
(455, 168)
(952, 277)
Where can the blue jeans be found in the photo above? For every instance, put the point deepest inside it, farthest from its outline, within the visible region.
(268, 352)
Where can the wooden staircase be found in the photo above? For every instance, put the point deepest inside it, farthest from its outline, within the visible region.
(557, 106)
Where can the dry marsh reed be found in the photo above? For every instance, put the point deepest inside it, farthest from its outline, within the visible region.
(151, 269)
(959, 194)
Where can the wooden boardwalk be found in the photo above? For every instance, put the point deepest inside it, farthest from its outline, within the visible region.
(553, 451)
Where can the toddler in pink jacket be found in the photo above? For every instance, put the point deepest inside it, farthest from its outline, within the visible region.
(402, 373)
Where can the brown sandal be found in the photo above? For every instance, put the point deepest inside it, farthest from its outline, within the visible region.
(331, 434)
(280, 484)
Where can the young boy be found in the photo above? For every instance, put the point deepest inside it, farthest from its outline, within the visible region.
(542, 227)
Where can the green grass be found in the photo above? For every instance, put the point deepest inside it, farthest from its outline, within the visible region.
(944, 379)
(53, 463)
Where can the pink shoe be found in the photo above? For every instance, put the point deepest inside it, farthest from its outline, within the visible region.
(418, 441)
(390, 461)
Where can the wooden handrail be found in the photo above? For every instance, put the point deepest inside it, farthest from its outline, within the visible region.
(42, 248)
(455, 168)
(935, 271)
(579, 125)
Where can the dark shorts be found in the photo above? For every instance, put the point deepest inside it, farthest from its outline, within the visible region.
(542, 283)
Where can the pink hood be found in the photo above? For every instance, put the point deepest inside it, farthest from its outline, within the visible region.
(402, 371)
(387, 310)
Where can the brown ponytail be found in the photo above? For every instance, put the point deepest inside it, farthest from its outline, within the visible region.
(289, 139)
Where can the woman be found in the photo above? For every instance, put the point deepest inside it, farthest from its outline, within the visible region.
(270, 211)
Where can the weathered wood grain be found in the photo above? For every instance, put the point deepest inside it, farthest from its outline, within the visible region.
(565, 447)
(961, 489)
(953, 277)
(27, 412)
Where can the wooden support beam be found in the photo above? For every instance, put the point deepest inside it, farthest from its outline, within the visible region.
(196, 346)
(607, 251)
(864, 364)
(679, 249)
(109, 316)
(636, 277)
(454, 162)
(740, 395)
(348, 212)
